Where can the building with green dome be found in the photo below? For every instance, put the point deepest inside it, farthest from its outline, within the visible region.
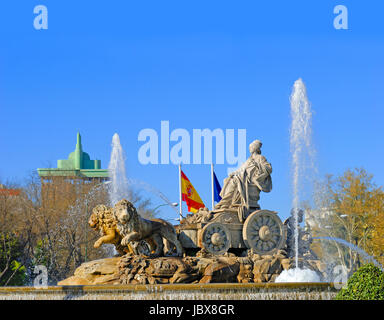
(78, 166)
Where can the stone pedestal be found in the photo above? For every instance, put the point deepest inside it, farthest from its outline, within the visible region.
(204, 268)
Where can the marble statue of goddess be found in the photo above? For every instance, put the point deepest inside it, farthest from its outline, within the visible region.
(256, 171)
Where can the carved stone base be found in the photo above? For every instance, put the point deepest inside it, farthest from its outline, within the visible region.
(204, 268)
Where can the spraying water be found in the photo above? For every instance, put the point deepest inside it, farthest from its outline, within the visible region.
(118, 188)
(302, 150)
(298, 275)
(152, 189)
(360, 251)
(303, 169)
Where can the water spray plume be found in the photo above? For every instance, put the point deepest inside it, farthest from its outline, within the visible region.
(118, 188)
(302, 150)
(303, 173)
(298, 275)
(360, 251)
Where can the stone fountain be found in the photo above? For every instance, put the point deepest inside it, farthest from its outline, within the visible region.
(238, 250)
(237, 242)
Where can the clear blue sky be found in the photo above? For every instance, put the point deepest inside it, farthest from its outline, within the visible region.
(121, 66)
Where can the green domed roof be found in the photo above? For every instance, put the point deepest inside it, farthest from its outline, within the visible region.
(78, 162)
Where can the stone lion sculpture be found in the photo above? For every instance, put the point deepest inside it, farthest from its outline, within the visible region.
(132, 227)
(103, 220)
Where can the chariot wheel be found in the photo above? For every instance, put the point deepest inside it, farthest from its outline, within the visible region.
(215, 238)
(264, 232)
(143, 248)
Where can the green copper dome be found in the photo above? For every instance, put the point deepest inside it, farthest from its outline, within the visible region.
(79, 164)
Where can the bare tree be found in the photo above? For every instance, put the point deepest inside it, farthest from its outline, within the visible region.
(50, 219)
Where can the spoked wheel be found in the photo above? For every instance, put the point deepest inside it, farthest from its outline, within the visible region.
(142, 248)
(215, 238)
(264, 232)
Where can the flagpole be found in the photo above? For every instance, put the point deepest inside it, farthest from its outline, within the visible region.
(180, 197)
(213, 196)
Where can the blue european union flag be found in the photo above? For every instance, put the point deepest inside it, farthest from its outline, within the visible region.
(216, 188)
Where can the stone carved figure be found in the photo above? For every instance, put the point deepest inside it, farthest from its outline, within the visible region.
(242, 188)
(132, 228)
(304, 237)
(103, 220)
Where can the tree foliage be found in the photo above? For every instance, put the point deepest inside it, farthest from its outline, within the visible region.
(367, 283)
(12, 272)
(50, 219)
(351, 207)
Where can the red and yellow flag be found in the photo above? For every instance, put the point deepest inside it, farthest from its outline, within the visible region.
(189, 195)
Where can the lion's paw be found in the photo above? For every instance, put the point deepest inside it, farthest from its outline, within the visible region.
(125, 242)
(97, 244)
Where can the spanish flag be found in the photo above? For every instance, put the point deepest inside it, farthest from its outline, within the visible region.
(189, 194)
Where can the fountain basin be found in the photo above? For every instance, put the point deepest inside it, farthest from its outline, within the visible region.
(211, 291)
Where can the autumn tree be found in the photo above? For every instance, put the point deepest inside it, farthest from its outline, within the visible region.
(50, 219)
(350, 207)
(12, 272)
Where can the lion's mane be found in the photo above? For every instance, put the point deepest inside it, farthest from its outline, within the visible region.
(104, 218)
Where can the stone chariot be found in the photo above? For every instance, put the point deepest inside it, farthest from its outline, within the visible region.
(262, 231)
(237, 223)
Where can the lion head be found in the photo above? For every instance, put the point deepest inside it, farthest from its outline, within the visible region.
(124, 211)
(101, 216)
(93, 221)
